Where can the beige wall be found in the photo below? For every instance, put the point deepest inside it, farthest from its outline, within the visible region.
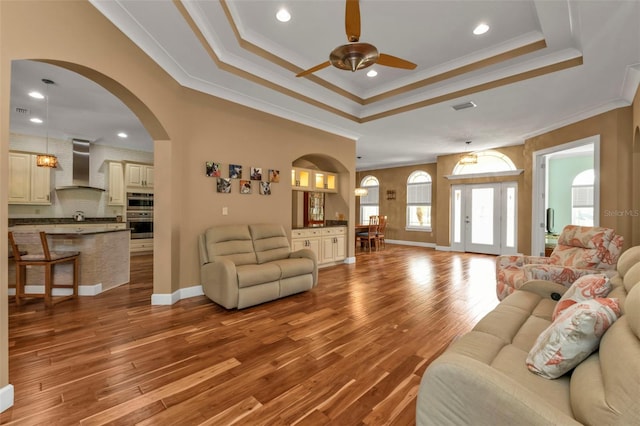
(620, 187)
(616, 193)
(395, 179)
(188, 127)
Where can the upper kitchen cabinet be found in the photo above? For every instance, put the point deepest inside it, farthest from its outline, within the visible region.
(116, 184)
(325, 181)
(28, 183)
(138, 176)
(313, 180)
(301, 179)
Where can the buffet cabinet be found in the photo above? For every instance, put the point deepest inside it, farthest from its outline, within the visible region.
(329, 244)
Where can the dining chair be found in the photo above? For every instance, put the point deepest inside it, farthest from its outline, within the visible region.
(32, 249)
(368, 237)
(380, 242)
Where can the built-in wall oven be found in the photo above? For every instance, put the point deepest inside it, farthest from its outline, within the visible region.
(140, 214)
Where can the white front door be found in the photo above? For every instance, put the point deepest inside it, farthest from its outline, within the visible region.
(483, 218)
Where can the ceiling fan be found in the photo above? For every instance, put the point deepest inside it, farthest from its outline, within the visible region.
(354, 55)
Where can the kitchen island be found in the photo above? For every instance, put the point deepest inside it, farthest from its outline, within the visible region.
(104, 258)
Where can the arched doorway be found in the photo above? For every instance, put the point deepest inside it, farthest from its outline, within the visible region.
(140, 112)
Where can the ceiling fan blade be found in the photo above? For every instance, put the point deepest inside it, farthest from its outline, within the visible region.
(392, 61)
(314, 69)
(352, 20)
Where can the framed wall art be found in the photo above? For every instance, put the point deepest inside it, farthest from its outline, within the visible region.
(212, 169)
(223, 185)
(245, 187)
(265, 188)
(274, 175)
(235, 171)
(256, 173)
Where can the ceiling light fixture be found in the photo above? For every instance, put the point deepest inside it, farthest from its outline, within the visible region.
(372, 73)
(481, 29)
(36, 120)
(469, 158)
(122, 135)
(36, 95)
(361, 192)
(283, 15)
(47, 160)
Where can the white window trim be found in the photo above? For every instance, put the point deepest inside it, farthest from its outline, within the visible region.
(488, 174)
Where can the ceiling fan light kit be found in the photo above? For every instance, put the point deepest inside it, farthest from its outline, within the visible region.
(354, 55)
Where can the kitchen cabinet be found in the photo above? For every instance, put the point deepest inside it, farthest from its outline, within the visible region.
(141, 245)
(313, 180)
(333, 244)
(301, 179)
(28, 183)
(116, 184)
(308, 239)
(325, 181)
(329, 244)
(138, 175)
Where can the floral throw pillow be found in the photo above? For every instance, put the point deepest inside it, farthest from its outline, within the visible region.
(584, 288)
(572, 337)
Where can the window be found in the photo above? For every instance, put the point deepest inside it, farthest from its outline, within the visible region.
(488, 161)
(582, 198)
(419, 201)
(369, 204)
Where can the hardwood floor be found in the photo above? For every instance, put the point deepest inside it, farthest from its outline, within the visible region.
(349, 352)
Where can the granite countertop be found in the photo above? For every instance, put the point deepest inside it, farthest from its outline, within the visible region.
(84, 231)
(58, 220)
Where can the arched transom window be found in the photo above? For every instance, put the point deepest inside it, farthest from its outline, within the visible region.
(487, 162)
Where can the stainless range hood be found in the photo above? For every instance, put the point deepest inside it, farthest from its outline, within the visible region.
(80, 169)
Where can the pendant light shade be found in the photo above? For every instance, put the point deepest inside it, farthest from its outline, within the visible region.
(469, 157)
(47, 160)
(361, 192)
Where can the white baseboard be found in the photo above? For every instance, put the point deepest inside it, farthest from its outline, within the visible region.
(350, 260)
(411, 243)
(183, 293)
(6, 397)
(443, 248)
(83, 290)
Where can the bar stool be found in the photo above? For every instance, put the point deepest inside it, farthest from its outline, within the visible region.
(32, 249)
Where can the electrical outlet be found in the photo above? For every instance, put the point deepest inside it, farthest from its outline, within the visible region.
(225, 211)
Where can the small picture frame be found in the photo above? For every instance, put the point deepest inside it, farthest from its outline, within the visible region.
(223, 185)
(235, 171)
(245, 187)
(256, 173)
(274, 176)
(265, 188)
(212, 169)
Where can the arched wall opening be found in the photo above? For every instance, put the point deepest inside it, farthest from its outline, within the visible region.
(155, 129)
(336, 205)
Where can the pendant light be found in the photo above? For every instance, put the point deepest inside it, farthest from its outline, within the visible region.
(469, 157)
(47, 160)
(361, 192)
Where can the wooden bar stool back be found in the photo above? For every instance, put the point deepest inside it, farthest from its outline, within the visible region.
(32, 249)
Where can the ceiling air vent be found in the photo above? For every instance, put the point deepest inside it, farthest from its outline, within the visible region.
(20, 110)
(465, 105)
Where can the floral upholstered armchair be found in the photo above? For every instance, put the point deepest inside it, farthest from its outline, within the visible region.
(581, 250)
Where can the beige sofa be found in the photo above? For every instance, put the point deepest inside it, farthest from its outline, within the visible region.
(244, 265)
(482, 379)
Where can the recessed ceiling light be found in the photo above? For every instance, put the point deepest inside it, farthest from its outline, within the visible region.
(372, 73)
(122, 135)
(36, 95)
(481, 29)
(283, 15)
(36, 120)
